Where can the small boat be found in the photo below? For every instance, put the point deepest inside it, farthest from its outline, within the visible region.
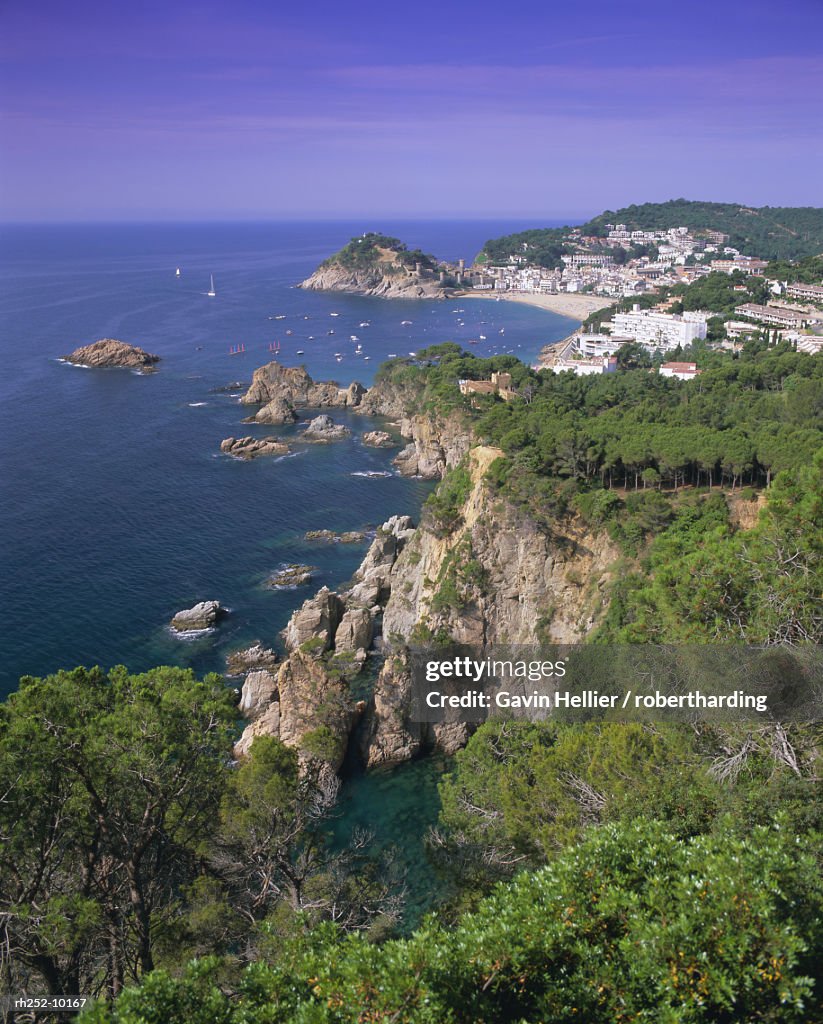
(473, 341)
(274, 346)
(412, 353)
(329, 332)
(482, 337)
(405, 323)
(339, 359)
(177, 272)
(358, 350)
(311, 337)
(237, 350)
(365, 323)
(353, 337)
(367, 357)
(392, 355)
(280, 316)
(289, 332)
(334, 314)
(300, 352)
(502, 330)
(211, 292)
(338, 355)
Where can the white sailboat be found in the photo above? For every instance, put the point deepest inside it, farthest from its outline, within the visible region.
(177, 272)
(211, 292)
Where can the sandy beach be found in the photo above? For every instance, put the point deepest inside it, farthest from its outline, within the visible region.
(575, 307)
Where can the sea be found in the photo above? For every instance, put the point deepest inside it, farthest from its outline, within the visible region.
(117, 507)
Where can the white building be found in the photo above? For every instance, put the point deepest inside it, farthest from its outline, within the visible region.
(683, 371)
(810, 292)
(658, 331)
(593, 345)
(586, 367)
(774, 315)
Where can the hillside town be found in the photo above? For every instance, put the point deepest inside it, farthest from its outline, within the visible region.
(642, 275)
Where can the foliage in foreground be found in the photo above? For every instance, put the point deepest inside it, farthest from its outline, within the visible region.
(521, 792)
(130, 842)
(631, 925)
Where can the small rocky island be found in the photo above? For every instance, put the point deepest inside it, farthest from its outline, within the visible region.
(323, 429)
(378, 439)
(281, 390)
(375, 264)
(108, 352)
(252, 447)
(199, 617)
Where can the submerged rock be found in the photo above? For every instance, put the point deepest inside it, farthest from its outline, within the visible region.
(252, 447)
(256, 656)
(292, 576)
(201, 616)
(331, 537)
(108, 352)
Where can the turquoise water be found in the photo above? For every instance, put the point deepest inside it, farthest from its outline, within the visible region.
(116, 507)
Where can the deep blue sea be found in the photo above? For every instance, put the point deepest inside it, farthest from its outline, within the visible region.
(116, 506)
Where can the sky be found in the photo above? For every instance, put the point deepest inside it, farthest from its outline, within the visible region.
(179, 110)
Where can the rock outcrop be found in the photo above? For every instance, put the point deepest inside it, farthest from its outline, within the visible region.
(108, 352)
(292, 387)
(204, 615)
(324, 429)
(238, 663)
(435, 443)
(381, 280)
(252, 447)
(378, 439)
(315, 623)
(276, 412)
(308, 704)
(259, 690)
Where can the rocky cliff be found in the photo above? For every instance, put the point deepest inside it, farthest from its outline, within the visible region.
(493, 576)
(306, 701)
(436, 443)
(385, 280)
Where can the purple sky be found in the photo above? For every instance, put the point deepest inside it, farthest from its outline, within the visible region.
(180, 110)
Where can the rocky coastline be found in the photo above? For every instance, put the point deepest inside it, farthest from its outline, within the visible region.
(384, 280)
(529, 589)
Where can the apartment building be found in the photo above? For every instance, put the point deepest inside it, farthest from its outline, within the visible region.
(658, 331)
